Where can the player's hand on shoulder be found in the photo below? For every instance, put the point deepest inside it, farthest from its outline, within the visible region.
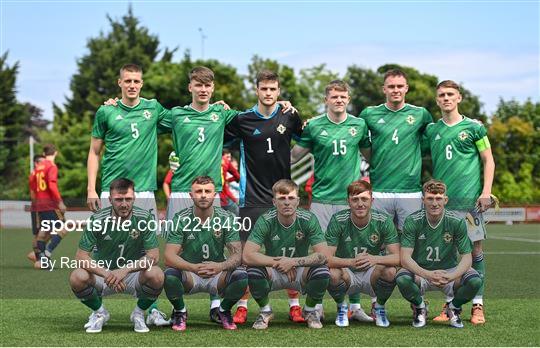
(287, 106)
(111, 102)
(222, 103)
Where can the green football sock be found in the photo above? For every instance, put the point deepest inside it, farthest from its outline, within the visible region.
(338, 291)
(145, 303)
(467, 291)
(408, 288)
(89, 297)
(315, 289)
(174, 289)
(383, 289)
(260, 288)
(233, 292)
(480, 266)
(354, 298)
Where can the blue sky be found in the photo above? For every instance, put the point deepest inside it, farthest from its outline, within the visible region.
(490, 47)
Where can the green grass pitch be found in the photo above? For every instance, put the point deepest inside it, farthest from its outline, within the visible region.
(38, 308)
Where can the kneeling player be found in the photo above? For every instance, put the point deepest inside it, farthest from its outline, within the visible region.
(118, 236)
(287, 232)
(431, 239)
(194, 253)
(355, 237)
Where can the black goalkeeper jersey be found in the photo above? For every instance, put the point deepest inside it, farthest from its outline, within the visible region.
(265, 151)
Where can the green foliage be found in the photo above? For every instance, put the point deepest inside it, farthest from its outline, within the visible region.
(96, 81)
(515, 139)
(17, 122)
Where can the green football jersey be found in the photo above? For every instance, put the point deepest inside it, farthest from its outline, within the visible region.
(351, 240)
(436, 247)
(110, 242)
(336, 149)
(396, 138)
(455, 153)
(203, 240)
(130, 138)
(292, 241)
(198, 142)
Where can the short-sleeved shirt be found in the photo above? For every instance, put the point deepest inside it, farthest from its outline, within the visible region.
(118, 245)
(203, 240)
(455, 153)
(436, 247)
(351, 240)
(130, 137)
(198, 143)
(396, 138)
(336, 148)
(291, 241)
(265, 152)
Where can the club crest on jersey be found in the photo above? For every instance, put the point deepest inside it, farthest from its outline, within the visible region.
(374, 238)
(217, 233)
(281, 129)
(447, 237)
(147, 114)
(299, 235)
(134, 234)
(353, 131)
(410, 119)
(214, 117)
(463, 136)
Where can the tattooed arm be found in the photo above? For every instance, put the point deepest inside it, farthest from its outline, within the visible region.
(235, 258)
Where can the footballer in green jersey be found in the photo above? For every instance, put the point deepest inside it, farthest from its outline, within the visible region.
(286, 233)
(118, 253)
(396, 130)
(195, 255)
(335, 139)
(431, 240)
(128, 131)
(462, 157)
(355, 237)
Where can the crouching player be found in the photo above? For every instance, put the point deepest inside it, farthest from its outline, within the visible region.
(287, 232)
(194, 255)
(118, 235)
(355, 237)
(431, 239)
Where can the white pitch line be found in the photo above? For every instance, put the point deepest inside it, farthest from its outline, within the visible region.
(512, 252)
(515, 239)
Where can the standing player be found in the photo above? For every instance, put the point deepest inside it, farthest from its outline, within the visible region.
(265, 134)
(286, 233)
(335, 139)
(355, 237)
(396, 130)
(32, 185)
(431, 239)
(195, 255)
(197, 131)
(117, 236)
(460, 151)
(128, 131)
(48, 202)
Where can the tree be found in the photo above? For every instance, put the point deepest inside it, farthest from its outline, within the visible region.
(94, 82)
(17, 122)
(515, 139)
